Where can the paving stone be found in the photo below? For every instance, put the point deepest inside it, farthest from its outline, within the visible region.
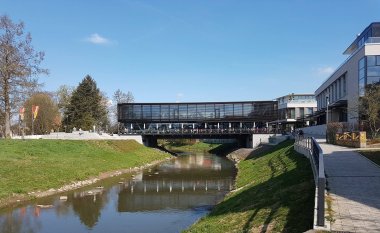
(354, 185)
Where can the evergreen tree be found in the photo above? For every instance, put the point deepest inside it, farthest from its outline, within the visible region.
(86, 108)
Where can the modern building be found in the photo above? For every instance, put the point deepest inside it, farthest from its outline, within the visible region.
(199, 115)
(294, 111)
(340, 93)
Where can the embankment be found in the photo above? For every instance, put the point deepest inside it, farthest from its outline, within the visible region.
(274, 193)
(33, 168)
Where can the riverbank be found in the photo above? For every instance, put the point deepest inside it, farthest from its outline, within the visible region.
(35, 168)
(274, 193)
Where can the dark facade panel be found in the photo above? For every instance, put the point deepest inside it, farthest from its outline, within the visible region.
(253, 111)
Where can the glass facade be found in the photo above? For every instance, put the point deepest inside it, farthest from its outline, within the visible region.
(198, 112)
(369, 72)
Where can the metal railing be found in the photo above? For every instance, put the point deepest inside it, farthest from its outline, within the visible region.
(197, 131)
(313, 151)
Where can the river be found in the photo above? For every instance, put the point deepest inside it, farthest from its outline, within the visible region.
(166, 198)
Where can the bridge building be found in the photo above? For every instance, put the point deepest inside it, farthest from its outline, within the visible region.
(198, 119)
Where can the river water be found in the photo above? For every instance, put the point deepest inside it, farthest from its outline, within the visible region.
(165, 198)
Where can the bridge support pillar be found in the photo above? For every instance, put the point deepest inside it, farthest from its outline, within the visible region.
(149, 141)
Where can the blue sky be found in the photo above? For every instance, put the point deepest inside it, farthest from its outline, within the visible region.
(220, 50)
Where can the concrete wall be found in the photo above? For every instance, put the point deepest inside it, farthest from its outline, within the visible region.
(84, 135)
(258, 139)
(317, 130)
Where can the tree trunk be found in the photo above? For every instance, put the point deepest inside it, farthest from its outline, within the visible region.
(7, 109)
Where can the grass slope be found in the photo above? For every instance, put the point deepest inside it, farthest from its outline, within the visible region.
(275, 193)
(32, 165)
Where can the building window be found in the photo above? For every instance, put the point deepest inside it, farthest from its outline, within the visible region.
(344, 85)
(362, 76)
(302, 112)
(373, 70)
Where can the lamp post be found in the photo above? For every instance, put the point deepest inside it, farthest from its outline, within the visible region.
(327, 116)
(327, 110)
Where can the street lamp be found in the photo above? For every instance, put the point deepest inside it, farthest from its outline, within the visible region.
(327, 116)
(327, 110)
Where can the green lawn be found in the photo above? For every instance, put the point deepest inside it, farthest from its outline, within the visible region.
(32, 165)
(275, 194)
(373, 155)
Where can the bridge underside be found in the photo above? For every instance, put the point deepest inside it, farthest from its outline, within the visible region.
(242, 140)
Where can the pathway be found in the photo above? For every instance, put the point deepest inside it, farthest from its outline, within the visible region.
(354, 185)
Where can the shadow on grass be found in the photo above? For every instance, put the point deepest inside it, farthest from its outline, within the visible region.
(224, 149)
(281, 202)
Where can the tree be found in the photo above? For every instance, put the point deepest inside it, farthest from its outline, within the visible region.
(86, 108)
(48, 117)
(369, 107)
(63, 96)
(19, 67)
(119, 97)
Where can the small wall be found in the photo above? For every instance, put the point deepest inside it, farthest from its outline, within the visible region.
(258, 139)
(84, 135)
(317, 130)
(351, 139)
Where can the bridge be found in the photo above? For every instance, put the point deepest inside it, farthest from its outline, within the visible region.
(216, 120)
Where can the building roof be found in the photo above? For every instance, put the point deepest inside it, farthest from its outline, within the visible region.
(372, 30)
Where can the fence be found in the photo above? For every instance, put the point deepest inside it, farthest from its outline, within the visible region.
(351, 139)
(309, 147)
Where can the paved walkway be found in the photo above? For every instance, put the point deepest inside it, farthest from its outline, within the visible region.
(354, 185)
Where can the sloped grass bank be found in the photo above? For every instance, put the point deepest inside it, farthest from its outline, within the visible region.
(33, 165)
(274, 193)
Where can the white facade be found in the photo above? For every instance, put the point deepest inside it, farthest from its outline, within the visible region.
(341, 90)
(293, 110)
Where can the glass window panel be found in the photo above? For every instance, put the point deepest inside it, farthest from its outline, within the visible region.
(361, 73)
(192, 111)
(164, 112)
(229, 110)
(247, 109)
(174, 112)
(302, 112)
(373, 71)
(378, 60)
(371, 61)
(238, 110)
(147, 114)
(361, 63)
(219, 111)
(210, 111)
(344, 86)
(372, 80)
(156, 112)
(361, 86)
(201, 108)
(182, 111)
(137, 114)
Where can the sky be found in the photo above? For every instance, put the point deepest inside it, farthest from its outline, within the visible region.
(198, 50)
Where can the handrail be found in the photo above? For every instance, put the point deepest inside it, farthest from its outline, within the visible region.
(196, 131)
(315, 155)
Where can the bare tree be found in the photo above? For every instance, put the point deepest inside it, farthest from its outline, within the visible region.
(369, 107)
(19, 67)
(120, 97)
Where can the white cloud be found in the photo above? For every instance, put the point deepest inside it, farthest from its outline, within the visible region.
(327, 70)
(97, 39)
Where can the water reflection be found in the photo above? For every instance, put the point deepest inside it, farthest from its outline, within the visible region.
(170, 196)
